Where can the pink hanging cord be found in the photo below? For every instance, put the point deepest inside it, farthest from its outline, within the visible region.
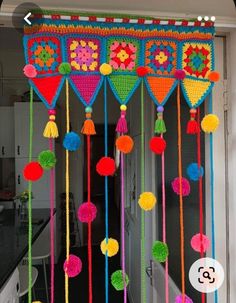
(52, 191)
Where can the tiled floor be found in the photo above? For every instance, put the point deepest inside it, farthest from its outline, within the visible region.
(78, 290)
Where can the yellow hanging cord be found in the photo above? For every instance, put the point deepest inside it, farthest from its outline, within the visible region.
(67, 194)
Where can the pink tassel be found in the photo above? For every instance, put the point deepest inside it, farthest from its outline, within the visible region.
(121, 126)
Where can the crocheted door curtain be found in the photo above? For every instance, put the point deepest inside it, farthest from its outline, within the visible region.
(89, 53)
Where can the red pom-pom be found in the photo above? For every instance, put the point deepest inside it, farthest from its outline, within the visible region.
(200, 243)
(33, 171)
(157, 145)
(142, 71)
(106, 166)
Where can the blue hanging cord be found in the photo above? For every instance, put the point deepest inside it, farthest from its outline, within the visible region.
(212, 181)
(106, 189)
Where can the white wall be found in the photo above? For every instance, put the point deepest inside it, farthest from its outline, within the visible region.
(232, 162)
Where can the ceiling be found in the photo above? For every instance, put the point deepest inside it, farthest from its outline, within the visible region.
(151, 7)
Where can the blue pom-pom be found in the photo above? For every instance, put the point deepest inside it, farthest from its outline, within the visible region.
(194, 172)
(71, 141)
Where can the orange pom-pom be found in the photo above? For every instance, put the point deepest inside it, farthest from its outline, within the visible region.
(214, 76)
(125, 144)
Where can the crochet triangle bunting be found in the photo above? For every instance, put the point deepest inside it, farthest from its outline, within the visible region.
(160, 88)
(48, 89)
(86, 87)
(195, 90)
(124, 86)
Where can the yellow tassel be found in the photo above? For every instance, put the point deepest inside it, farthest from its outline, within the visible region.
(51, 130)
(88, 128)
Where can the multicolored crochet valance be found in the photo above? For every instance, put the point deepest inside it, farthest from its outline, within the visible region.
(87, 42)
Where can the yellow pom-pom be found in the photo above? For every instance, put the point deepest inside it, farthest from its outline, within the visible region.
(123, 107)
(105, 69)
(111, 247)
(147, 201)
(210, 123)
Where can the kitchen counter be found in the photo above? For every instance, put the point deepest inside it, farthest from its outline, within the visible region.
(14, 238)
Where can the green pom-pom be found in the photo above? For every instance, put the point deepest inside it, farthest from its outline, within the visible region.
(64, 68)
(160, 127)
(47, 159)
(117, 280)
(88, 109)
(160, 251)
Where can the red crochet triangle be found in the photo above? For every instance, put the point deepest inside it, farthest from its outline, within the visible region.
(47, 88)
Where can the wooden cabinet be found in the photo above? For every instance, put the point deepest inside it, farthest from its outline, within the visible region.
(40, 118)
(7, 132)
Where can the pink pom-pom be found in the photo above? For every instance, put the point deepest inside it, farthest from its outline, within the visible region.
(30, 71)
(185, 186)
(72, 266)
(51, 112)
(179, 299)
(180, 74)
(199, 244)
(87, 212)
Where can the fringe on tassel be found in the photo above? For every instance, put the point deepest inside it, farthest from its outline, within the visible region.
(193, 126)
(51, 130)
(88, 128)
(121, 126)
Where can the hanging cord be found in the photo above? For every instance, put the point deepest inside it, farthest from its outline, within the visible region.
(143, 254)
(106, 191)
(52, 193)
(123, 223)
(67, 194)
(181, 211)
(89, 223)
(164, 222)
(200, 189)
(31, 128)
(212, 189)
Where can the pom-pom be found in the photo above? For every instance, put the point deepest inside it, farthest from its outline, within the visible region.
(180, 74)
(200, 243)
(64, 68)
(125, 144)
(157, 145)
(105, 69)
(33, 171)
(87, 212)
(106, 166)
(179, 299)
(47, 159)
(30, 71)
(142, 71)
(147, 201)
(123, 107)
(160, 251)
(194, 172)
(72, 266)
(117, 280)
(185, 186)
(210, 123)
(71, 141)
(214, 76)
(111, 247)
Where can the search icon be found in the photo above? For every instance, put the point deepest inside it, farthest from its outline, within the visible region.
(206, 275)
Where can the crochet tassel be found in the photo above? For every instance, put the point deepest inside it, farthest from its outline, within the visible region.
(160, 127)
(88, 127)
(121, 126)
(51, 130)
(193, 126)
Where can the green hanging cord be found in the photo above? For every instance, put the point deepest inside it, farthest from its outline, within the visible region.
(143, 255)
(30, 201)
